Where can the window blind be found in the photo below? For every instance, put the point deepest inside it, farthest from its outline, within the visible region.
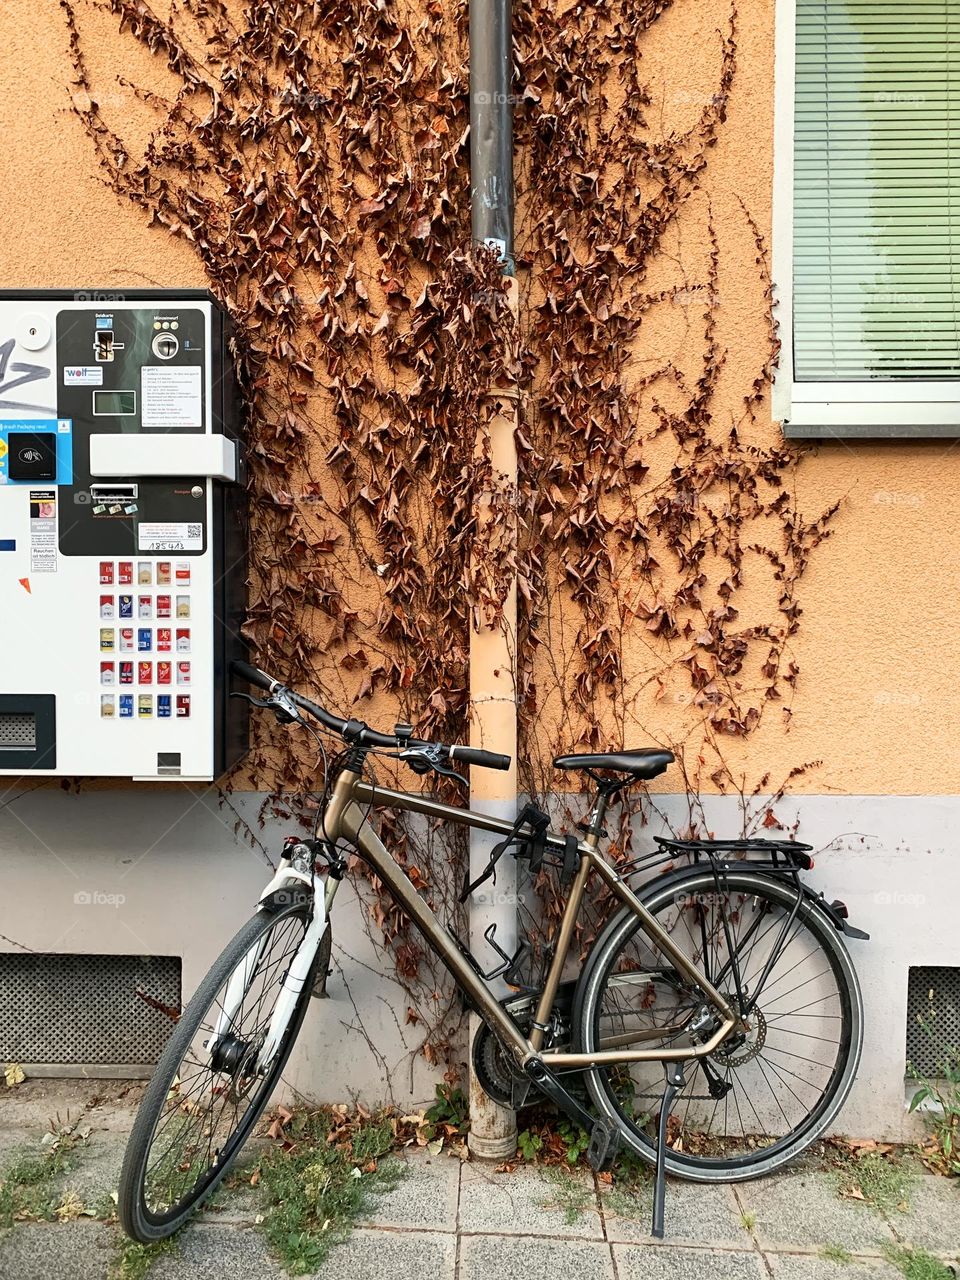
(876, 250)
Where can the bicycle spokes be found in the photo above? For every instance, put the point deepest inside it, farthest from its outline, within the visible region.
(218, 1076)
(766, 1078)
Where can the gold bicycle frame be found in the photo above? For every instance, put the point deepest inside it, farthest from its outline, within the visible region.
(346, 817)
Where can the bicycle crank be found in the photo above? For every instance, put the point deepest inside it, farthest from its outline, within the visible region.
(604, 1134)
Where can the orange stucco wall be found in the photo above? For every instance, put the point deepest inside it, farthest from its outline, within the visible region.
(877, 701)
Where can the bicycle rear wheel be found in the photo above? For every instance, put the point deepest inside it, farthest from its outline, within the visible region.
(762, 1097)
(204, 1099)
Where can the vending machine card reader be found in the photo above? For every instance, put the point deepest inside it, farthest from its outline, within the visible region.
(122, 550)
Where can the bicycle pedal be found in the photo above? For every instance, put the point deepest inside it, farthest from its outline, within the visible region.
(604, 1144)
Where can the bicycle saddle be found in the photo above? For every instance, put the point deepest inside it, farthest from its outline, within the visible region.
(646, 763)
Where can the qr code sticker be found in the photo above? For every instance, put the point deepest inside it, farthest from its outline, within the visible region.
(194, 530)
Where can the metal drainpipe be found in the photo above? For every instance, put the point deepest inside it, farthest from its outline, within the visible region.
(493, 723)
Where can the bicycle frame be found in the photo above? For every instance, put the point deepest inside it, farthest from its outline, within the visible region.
(345, 818)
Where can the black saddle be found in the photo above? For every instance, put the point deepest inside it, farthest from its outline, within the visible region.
(642, 764)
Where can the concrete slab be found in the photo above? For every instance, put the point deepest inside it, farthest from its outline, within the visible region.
(207, 1252)
(14, 1143)
(506, 1257)
(793, 1266)
(48, 1251)
(527, 1203)
(426, 1255)
(802, 1211)
(694, 1214)
(33, 1104)
(636, 1262)
(933, 1222)
(425, 1198)
(96, 1166)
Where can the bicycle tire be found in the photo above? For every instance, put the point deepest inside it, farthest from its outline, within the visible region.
(136, 1219)
(602, 960)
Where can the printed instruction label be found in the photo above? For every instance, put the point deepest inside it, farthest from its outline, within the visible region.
(43, 531)
(170, 397)
(170, 537)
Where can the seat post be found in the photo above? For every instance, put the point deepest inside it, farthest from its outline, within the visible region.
(593, 823)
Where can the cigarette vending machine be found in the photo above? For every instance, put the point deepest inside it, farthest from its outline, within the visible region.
(121, 535)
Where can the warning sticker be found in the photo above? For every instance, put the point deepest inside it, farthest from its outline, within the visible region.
(43, 530)
(170, 537)
(170, 397)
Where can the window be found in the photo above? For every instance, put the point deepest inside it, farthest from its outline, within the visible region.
(867, 217)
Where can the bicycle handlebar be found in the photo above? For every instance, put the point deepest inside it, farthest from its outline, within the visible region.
(355, 730)
(485, 759)
(262, 681)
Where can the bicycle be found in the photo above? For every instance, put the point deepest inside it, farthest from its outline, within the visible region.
(677, 1010)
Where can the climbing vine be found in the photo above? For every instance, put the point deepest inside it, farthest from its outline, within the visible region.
(315, 158)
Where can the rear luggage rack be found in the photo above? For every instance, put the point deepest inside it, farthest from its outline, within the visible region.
(771, 855)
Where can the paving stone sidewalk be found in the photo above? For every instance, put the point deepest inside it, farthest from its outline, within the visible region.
(448, 1220)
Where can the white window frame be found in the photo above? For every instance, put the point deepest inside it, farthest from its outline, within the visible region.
(820, 410)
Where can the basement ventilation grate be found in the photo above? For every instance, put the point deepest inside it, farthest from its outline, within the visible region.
(933, 1018)
(83, 1010)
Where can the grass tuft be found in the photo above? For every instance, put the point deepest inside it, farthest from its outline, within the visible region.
(836, 1253)
(27, 1191)
(917, 1264)
(314, 1187)
(133, 1261)
(572, 1195)
(877, 1180)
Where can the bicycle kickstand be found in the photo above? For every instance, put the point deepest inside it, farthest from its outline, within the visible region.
(674, 1083)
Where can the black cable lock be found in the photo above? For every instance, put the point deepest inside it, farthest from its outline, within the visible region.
(532, 845)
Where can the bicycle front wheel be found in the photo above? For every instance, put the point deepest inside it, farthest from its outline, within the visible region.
(765, 1094)
(208, 1090)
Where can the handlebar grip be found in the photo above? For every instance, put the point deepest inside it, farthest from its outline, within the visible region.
(253, 675)
(485, 759)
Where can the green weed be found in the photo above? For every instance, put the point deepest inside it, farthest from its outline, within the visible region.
(917, 1264)
(836, 1253)
(133, 1261)
(27, 1190)
(314, 1191)
(940, 1098)
(882, 1183)
(529, 1144)
(451, 1110)
(572, 1194)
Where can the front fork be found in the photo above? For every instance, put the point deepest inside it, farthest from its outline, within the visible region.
(294, 873)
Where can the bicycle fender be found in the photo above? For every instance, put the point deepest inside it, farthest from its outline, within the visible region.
(283, 889)
(836, 913)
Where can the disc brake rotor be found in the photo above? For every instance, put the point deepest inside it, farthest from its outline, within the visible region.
(756, 1037)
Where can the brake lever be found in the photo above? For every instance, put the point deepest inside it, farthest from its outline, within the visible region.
(450, 773)
(248, 697)
(286, 714)
(420, 759)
